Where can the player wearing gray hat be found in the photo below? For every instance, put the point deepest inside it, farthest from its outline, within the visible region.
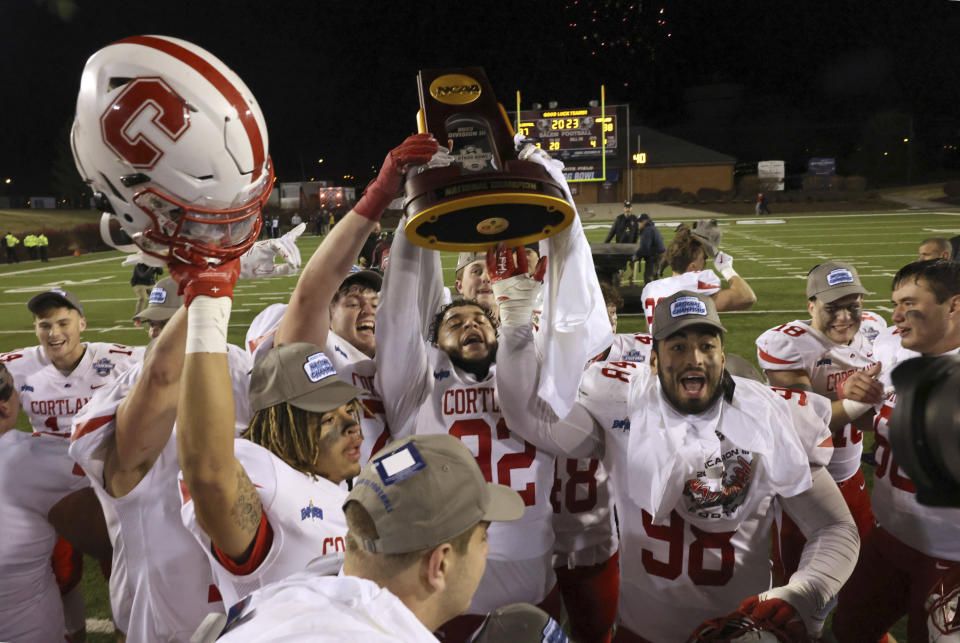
(161, 305)
(416, 549)
(831, 353)
(695, 456)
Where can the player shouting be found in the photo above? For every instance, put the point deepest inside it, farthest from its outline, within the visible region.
(697, 458)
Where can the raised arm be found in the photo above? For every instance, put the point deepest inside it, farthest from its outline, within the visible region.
(226, 503)
(739, 296)
(145, 417)
(518, 374)
(307, 318)
(403, 370)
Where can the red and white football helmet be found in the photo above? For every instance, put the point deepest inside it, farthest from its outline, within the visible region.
(943, 608)
(175, 146)
(738, 627)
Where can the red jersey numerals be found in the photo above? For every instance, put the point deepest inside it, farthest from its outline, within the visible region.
(613, 370)
(577, 479)
(121, 349)
(9, 357)
(787, 329)
(507, 463)
(791, 394)
(886, 464)
(673, 534)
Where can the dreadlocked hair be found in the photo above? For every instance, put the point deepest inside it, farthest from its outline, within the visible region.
(683, 250)
(290, 433)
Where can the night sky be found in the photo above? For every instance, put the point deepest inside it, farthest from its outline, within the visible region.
(337, 79)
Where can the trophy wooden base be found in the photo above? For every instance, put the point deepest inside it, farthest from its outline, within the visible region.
(448, 209)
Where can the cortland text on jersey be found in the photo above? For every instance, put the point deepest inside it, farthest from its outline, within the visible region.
(482, 399)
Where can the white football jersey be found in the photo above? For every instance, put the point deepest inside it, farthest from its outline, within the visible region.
(304, 513)
(797, 346)
(934, 531)
(717, 497)
(631, 347)
(165, 587)
(35, 474)
(705, 282)
(351, 365)
(51, 399)
(325, 609)
(583, 516)
(811, 414)
(872, 325)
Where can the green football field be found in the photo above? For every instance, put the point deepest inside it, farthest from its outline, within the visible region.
(773, 254)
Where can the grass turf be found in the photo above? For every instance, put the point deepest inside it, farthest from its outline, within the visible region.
(773, 254)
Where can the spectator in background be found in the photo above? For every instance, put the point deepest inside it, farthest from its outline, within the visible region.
(10, 243)
(761, 207)
(295, 220)
(624, 228)
(382, 251)
(649, 249)
(143, 279)
(934, 248)
(42, 243)
(275, 227)
(30, 243)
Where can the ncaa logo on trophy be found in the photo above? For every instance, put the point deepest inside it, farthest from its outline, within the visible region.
(488, 195)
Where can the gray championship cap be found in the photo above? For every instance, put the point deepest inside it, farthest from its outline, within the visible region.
(519, 623)
(300, 375)
(832, 280)
(367, 278)
(682, 309)
(426, 490)
(708, 232)
(164, 301)
(54, 297)
(467, 258)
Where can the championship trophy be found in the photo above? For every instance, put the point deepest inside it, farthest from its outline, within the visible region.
(488, 195)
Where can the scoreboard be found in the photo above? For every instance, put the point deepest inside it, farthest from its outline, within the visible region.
(571, 133)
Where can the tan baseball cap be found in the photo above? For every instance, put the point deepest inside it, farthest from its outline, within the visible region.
(164, 301)
(467, 258)
(426, 490)
(832, 280)
(54, 297)
(708, 232)
(682, 309)
(301, 375)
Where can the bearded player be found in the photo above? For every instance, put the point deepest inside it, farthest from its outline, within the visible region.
(446, 385)
(830, 355)
(697, 460)
(913, 545)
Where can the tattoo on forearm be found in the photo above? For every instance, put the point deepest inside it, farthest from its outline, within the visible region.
(246, 510)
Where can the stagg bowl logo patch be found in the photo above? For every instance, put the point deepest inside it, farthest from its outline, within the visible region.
(720, 488)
